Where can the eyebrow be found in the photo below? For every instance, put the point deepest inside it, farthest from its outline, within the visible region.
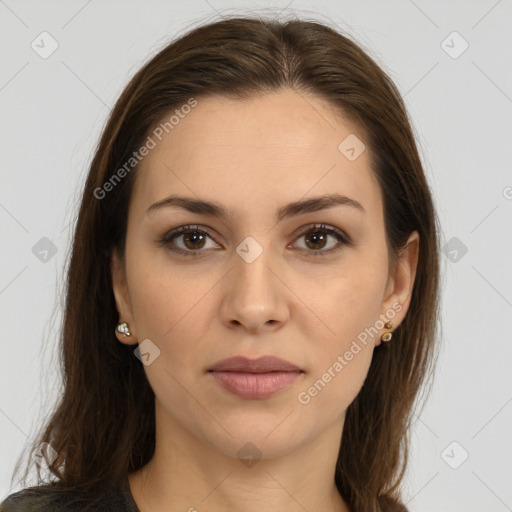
(214, 209)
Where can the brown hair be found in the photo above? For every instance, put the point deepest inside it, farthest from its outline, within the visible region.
(103, 426)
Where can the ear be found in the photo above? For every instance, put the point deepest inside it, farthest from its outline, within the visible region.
(122, 297)
(400, 283)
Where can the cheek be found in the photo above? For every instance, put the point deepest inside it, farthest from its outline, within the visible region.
(173, 308)
(342, 357)
(334, 388)
(350, 307)
(162, 295)
(350, 302)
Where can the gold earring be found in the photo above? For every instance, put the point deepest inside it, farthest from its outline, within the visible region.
(124, 329)
(387, 335)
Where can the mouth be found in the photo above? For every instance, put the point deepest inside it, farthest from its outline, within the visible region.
(255, 378)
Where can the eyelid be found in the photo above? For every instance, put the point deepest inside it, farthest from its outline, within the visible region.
(341, 236)
(176, 232)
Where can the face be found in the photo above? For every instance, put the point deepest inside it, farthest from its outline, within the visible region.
(310, 286)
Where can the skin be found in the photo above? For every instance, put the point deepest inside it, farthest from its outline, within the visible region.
(254, 156)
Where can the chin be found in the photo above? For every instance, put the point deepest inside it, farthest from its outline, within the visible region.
(256, 435)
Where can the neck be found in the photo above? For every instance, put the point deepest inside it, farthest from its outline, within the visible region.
(187, 474)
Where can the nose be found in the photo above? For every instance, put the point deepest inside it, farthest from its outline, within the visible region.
(256, 297)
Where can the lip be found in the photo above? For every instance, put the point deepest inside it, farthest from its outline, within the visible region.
(263, 364)
(255, 378)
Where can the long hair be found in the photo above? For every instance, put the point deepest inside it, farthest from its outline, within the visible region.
(103, 426)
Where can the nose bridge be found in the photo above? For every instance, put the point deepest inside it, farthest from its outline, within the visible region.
(255, 294)
(252, 274)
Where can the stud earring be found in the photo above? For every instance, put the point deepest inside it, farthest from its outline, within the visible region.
(387, 335)
(124, 329)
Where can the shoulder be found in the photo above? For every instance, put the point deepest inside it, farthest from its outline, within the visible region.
(43, 499)
(31, 499)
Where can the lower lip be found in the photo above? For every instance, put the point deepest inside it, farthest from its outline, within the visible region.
(255, 385)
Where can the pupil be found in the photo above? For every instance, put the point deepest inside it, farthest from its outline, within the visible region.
(317, 239)
(189, 239)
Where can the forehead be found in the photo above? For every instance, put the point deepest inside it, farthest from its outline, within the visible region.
(268, 149)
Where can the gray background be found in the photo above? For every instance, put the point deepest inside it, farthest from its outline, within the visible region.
(52, 112)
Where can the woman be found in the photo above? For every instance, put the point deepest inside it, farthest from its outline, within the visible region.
(253, 288)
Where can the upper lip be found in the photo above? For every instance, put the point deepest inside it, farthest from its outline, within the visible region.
(264, 364)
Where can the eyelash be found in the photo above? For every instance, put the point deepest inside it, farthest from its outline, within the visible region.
(342, 238)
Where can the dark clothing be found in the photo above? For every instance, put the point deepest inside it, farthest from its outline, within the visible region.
(34, 499)
(120, 499)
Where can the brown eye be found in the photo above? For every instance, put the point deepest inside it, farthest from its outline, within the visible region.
(194, 240)
(316, 240)
(317, 237)
(188, 240)
(191, 240)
